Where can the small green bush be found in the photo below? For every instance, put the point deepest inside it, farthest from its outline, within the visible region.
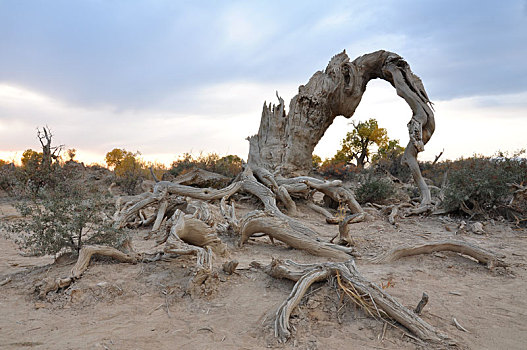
(9, 177)
(64, 218)
(480, 183)
(374, 190)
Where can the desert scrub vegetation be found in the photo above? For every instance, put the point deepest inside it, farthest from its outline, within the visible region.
(62, 219)
(60, 211)
(230, 165)
(480, 185)
(374, 189)
(130, 170)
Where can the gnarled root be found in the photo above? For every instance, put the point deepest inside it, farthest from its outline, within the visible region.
(282, 230)
(82, 264)
(483, 256)
(189, 235)
(333, 189)
(366, 294)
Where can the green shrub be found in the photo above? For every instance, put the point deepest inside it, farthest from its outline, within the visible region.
(479, 183)
(64, 218)
(391, 163)
(374, 190)
(9, 177)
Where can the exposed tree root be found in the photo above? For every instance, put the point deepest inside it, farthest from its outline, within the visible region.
(333, 189)
(202, 178)
(422, 304)
(316, 208)
(82, 264)
(230, 267)
(283, 230)
(481, 255)
(344, 234)
(194, 234)
(403, 210)
(364, 293)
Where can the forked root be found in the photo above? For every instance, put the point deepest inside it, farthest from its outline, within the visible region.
(364, 293)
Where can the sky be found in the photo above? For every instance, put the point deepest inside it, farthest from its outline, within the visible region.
(168, 77)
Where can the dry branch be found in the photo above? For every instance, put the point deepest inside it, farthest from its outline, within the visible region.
(344, 234)
(367, 294)
(481, 255)
(189, 235)
(333, 189)
(311, 205)
(422, 304)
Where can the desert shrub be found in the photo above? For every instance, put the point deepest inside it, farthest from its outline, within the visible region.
(480, 183)
(9, 177)
(159, 169)
(63, 218)
(230, 165)
(374, 190)
(36, 173)
(316, 161)
(436, 172)
(128, 168)
(388, 159)
(335, 169)
(392, 164)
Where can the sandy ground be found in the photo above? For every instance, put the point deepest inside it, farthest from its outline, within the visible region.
(144, 306)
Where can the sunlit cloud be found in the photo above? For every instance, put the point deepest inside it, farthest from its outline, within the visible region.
(169, 77)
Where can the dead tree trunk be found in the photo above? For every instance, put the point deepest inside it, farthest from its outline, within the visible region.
(285, 142)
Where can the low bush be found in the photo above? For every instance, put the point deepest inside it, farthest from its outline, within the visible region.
(331, 169)
(230, 165)
(375, 190)
(64, 219)
(480, 184)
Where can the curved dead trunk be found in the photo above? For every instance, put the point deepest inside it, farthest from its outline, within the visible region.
(285, 141)
(293, 235)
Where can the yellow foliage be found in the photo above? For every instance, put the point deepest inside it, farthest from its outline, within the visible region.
(31, 158)
(357, 143)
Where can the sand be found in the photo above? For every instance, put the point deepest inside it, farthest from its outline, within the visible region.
(144, 306)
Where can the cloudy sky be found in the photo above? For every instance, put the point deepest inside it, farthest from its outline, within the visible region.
(167, 77)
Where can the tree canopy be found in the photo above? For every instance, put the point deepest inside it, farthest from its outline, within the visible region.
(357, 143)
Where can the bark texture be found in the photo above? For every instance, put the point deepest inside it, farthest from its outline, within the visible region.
(285, 141)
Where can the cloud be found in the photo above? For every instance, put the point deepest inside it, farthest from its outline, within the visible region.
(134, 54)
(217, 119)
(178, 76)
